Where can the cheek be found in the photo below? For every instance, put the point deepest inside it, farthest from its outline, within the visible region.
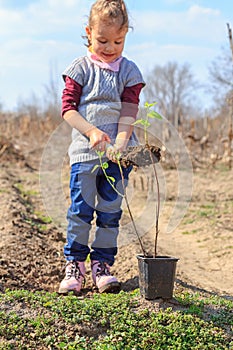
(96, 45)
(120, 48)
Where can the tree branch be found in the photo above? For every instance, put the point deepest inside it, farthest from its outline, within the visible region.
(230, 39)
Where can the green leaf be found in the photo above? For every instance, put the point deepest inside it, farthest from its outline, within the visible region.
(149, 105)
(146, 123)
(105, 165)
(100, 153)
(111, 179)
(143, 122)
(95, 167)
(118, 155)
(154, 115)
(138, 121)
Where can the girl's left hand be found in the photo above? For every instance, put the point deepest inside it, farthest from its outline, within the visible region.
(113, 153)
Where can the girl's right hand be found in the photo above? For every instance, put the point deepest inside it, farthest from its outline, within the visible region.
(98, 139)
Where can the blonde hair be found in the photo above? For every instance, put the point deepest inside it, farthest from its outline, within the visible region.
(109, 11)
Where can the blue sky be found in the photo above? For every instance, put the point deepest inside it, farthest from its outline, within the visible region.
(38, 36)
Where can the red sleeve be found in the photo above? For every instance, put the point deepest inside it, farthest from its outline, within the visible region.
(130, 100)
(71, 95)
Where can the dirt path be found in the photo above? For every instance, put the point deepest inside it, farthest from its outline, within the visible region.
(31, 249)
(203, 240)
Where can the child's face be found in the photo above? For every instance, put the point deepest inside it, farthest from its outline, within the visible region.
(107, 40)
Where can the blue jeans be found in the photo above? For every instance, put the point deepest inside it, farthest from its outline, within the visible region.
(92, 194)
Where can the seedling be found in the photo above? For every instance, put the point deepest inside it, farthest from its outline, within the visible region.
(150, 114)
(111, 180)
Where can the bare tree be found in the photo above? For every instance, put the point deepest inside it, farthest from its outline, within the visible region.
(230, 102)
(52, 94)
(221, 73)
(173, 86)
(221, 76)
(30, 107)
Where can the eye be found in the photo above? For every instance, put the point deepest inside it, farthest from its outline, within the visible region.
(118, 42)
(102, 41)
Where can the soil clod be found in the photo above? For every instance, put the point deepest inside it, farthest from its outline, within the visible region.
(140, 156)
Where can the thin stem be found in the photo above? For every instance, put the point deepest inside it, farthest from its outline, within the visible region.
(129, 210)
(145, 127)
(107, 177)
(122, 195)
(157, 205)
(145, 135)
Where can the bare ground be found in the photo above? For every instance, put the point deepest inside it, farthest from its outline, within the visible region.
(31, 250)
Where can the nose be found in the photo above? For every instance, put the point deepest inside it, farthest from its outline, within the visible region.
(109, 48)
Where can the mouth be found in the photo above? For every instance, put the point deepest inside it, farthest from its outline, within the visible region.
(108, 55)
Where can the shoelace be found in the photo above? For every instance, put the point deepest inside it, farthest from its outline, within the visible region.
(102, 269)
(74, 271)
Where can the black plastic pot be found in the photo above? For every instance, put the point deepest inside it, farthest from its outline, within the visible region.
(156, 276)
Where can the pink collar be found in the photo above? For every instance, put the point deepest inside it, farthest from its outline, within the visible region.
(113, 66)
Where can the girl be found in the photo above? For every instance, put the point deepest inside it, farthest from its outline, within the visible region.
(100, 102)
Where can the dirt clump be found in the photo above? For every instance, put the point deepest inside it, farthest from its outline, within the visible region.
(140, 156)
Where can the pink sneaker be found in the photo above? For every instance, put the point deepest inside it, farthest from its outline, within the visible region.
(74, 278)
(102, 278)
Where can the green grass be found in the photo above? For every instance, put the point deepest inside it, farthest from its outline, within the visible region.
(25, 193)
(207, 210)
(32, 217)
(190, 232)
(43, 218)
(4, 190)
(40, 320)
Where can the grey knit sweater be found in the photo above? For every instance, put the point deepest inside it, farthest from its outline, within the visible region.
(100, 102)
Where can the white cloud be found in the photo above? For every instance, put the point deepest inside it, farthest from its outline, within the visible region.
(48, 31)
(32, 37)
(9, 20)
(43, 18)
(196, 11)
(196, 23)
(26, 65)
(175, 2)
(156, 54)
(194, 36)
